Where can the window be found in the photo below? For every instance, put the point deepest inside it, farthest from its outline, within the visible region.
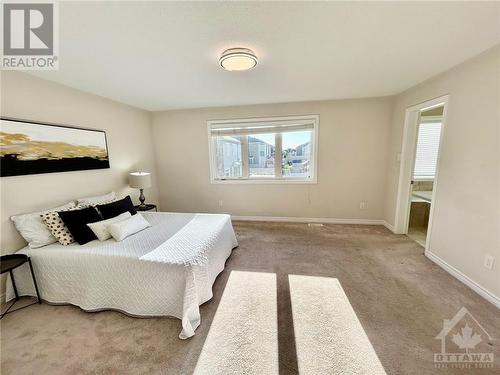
(264, 150)
(429, 133)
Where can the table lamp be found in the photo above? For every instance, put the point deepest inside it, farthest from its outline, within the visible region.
(141, 181)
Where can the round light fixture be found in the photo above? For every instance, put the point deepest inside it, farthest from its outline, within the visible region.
(238, 59)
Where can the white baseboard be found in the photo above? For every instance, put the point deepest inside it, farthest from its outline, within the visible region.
(486, 294)
(324, 220)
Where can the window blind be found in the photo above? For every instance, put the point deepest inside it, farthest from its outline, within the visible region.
(235, 128)
(429, 134)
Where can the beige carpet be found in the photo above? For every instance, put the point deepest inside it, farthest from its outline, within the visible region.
(243, 337)
(328, 336)
(399, 296)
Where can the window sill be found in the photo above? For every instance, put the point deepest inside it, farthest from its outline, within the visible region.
(263, 181)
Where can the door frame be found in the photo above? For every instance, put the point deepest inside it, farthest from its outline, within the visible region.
(408, 149)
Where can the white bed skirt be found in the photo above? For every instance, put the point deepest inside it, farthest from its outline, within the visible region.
(145, 275)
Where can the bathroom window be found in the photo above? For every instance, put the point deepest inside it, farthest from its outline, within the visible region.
(429, 134)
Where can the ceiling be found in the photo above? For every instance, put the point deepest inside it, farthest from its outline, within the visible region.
(164, 55)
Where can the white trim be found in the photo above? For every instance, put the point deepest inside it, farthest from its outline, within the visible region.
(409, 142)
(278, 140)
(313, 119)
(435, 185)
(405, 168)
(254, 180)
(211, 154)
(325, 220)
(483, 292)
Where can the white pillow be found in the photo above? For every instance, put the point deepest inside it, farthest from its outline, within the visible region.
(99, 228)
(98, 199)
(34, 230)
(125, 228)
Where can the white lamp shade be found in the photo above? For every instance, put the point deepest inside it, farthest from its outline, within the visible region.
(139, 180)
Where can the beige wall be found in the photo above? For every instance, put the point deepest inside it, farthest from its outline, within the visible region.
(353, 142)
(466, 223)
(128, 133)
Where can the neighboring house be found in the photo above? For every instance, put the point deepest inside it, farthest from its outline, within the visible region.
(304, 149)
(260, 153)
(296, 161)
(229, 161)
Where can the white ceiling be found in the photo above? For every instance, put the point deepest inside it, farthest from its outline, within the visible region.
(163, 55)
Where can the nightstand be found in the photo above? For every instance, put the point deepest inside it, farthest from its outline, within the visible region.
(8, 263)
(147, 207)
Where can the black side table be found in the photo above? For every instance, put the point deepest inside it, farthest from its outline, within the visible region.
(7, 264)
(147, 207)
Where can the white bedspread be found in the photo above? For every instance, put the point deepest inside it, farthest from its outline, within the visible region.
(165, 270)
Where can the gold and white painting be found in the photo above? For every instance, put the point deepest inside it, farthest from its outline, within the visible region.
(31, 148)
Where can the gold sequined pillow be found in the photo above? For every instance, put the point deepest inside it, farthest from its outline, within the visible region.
(57, 227)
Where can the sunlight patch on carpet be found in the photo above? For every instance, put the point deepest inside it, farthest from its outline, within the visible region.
(328, 335)
(243, 337)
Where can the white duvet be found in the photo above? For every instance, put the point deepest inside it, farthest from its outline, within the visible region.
(165, 270)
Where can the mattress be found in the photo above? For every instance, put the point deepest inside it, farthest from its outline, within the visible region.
(165, 270)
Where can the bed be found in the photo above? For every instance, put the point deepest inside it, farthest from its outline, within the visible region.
(167, 269)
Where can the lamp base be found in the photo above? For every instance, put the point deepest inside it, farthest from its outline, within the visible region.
(142, 198)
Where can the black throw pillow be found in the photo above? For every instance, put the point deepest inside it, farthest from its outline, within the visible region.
(116, 208)
(77, 221)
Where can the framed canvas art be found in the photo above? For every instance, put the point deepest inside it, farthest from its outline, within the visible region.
(28, 147)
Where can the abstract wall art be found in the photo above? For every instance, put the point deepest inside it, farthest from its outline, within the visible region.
(28, 147)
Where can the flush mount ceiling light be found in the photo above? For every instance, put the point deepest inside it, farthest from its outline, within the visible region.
(238, 59)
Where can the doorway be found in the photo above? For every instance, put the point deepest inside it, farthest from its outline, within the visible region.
(424, 172)
(422, 136)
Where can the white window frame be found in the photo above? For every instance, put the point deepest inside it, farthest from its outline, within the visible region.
(262, 121)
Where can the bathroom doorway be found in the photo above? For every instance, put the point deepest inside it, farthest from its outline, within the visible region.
(419, 167)
(424, 172)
